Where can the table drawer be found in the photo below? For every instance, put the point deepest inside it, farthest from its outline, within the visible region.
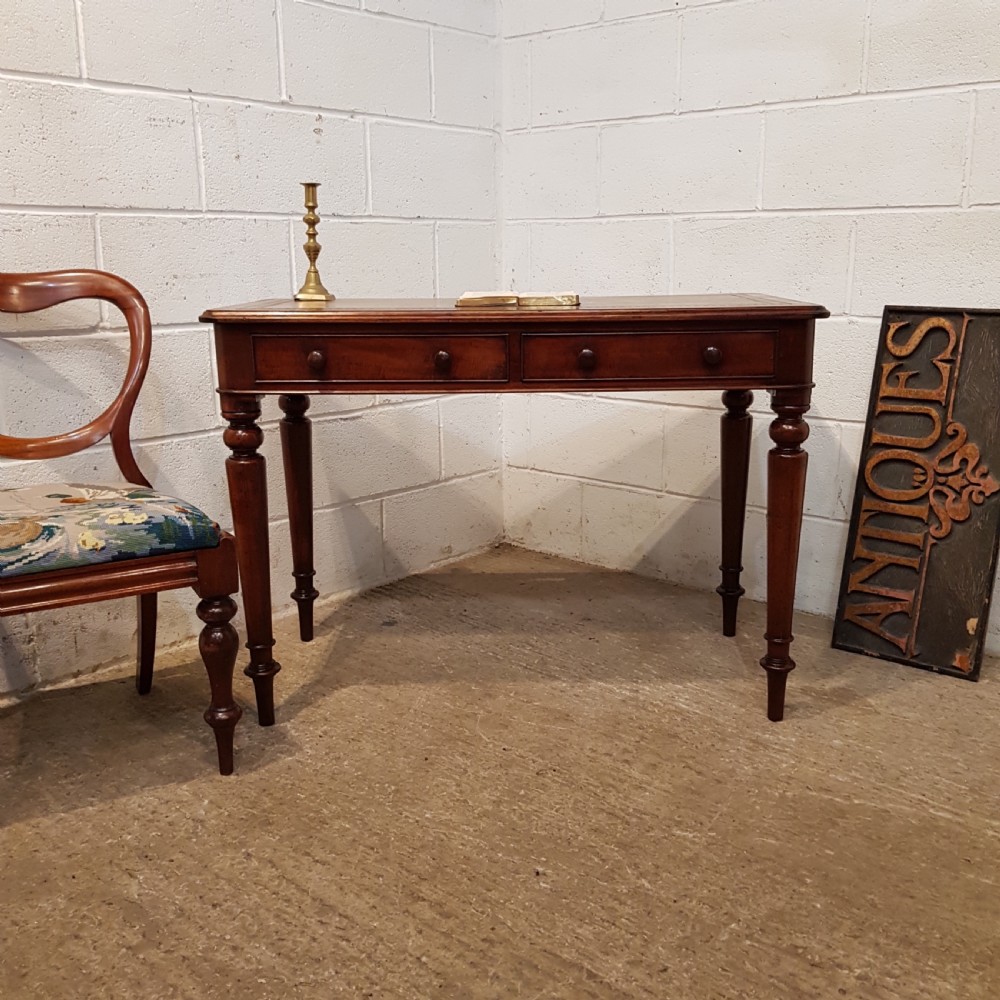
(635, 356)
(363, 359)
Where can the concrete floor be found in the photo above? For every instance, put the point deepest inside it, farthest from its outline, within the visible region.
(514, 777)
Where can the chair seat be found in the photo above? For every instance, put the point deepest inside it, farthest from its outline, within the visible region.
(70, 525)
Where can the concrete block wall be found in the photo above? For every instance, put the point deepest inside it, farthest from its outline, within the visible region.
(845, 153)
(165, 142)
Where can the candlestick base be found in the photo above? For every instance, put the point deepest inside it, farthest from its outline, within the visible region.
(316, 293)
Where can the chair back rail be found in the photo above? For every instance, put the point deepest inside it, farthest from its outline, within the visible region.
(29, 292)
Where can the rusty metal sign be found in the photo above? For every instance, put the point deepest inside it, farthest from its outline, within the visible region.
(922, 550)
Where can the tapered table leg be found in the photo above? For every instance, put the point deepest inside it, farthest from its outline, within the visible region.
(296, 453)
(247, 477)
(736, 425)
(786, 484)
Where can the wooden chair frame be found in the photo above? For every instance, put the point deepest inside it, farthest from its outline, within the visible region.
(212, 573)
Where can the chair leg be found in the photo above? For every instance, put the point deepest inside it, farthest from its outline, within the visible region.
(219, 645)
(145, 643)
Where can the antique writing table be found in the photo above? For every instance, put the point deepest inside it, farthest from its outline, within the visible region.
(730, 342)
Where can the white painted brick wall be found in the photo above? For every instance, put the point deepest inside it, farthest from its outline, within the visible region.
(239, 259)
(466, 505)
(607, 71)
(840, 152)
(336, 58)
(515, 82)
(39, 36)
(50, 240)
(984, 184)
(224, 47)
(607, 257)
(468, 64)
(922, 43)
(472, 15)
(800, 256)
(770, 50)
(551, 173)
(938, 258)
(845, 153)
(239, 178)
(863, 153)
(165, 142)
(527, 16)
(420, 172)
(73, 146)
(659, 167)
(375, 258)
(467, 256)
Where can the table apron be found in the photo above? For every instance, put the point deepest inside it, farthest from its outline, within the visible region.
(321, 359)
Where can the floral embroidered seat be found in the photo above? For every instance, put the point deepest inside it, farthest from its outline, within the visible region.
(63, 526)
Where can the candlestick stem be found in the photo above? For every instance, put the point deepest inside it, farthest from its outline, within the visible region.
(312, 289)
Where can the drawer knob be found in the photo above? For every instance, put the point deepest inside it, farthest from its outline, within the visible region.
(316, 360)
(712, 356)
(442, 362)
(587, 360)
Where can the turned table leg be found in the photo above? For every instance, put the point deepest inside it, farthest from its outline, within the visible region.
(786, 484)
(247, 476)
(296, 453)
(736, 425)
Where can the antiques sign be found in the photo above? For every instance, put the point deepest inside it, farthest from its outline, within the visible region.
(922, 550)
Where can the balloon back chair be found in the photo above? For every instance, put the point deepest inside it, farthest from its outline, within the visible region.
(71, 543)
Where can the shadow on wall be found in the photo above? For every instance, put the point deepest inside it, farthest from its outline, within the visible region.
(18, 656)
(415, 520)
(674, 534)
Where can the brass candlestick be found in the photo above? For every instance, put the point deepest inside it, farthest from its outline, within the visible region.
(312, 289)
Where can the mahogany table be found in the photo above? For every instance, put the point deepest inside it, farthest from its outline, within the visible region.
(730, 342)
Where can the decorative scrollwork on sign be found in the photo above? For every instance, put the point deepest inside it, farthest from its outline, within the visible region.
(922, 552)
(960, 481)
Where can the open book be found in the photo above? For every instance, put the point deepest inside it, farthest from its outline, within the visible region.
(490, 299)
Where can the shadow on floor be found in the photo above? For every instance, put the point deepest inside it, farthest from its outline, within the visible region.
(507, 617)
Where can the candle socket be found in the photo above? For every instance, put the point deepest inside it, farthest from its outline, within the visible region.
(312, 289)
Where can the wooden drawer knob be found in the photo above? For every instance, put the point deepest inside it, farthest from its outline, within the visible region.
(587, 360)
(316, 360)
(712, 356)
(442, 362)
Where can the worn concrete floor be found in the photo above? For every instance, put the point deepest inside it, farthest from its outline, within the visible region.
(514, 777)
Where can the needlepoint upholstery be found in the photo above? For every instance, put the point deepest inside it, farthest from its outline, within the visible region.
(69, 525)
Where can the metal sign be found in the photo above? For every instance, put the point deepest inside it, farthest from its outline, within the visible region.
(922, 550)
